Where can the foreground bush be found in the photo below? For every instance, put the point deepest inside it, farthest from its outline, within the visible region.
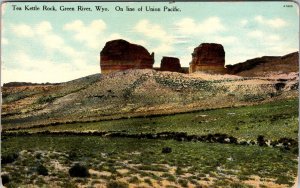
(9, 158)
(5, 179)
(166, 150)
(79, 171)
(41, 170)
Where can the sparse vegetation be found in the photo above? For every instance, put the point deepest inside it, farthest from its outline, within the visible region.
(148, 181)
(46, 99)
(117, 184)
(253, 98)
(252, 121)
(183, 182)
(134, 180)
(203, 158)
(150, 161)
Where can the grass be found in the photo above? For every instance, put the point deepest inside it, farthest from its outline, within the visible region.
(203, 158)
(188, 162)
(273, 120)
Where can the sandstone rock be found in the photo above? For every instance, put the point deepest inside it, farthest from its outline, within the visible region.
(118, 55)
(171, 64)
(208, 57)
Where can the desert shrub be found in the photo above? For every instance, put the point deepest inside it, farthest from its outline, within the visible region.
(183, 182)
(38, 156)
(261, 140)
(116, 184)
(179, 171)
(41, 170)
(5, 179)
(166, 150)
(9, 158)
(78, 171)
(148, 181)
(134, 179)
(72, 155)
(252, 98)
(45, 99)
(284, 180)
(169, 177)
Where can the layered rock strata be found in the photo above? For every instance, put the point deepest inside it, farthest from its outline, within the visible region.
(208, 57)
(118, 55)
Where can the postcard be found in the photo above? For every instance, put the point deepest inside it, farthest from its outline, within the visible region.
(149, 94)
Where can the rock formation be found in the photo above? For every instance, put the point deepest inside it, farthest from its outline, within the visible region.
(118, 55)
(208, 57)
(263, 66)
(171, 64)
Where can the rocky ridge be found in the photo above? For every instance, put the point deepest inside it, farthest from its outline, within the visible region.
(266, 65)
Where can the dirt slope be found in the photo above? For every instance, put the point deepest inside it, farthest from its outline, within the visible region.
(137, 93)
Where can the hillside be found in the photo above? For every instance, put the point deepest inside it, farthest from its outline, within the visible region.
(137, 93)
(263, 66)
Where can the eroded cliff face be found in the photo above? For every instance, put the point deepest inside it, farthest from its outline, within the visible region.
(209, 58)
(171, 64)
(118, 55)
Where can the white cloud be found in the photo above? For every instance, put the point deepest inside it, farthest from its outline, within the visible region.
(44, 70)
(88, 34)
(255, 34)
(185, 60)
(51, 41)
(22, 30)
(269, 39)
(275, 22)
(150, 30)
(155, 31)
(273, 38)
(73, 65)
(42, 32)
(163, 49)
(244, 22)
(43, 28)
(208, 26)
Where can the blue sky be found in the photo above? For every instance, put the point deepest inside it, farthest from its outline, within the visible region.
(41, 46)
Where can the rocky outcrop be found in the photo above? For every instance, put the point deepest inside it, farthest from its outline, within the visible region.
(171, 64)
(263, 66)
(118, 55)
(208, 57)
